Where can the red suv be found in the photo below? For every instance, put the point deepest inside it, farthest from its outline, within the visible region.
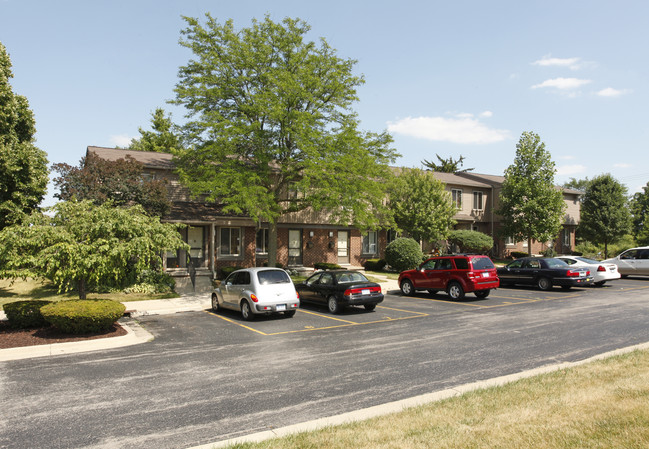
(456, 274)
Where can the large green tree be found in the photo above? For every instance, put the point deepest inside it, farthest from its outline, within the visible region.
(82, 244)
(421, 205)
(531, 207)
(271, 130)
(640, 211)
(605, 216)
(121, 181)
(162, 139)
(23, 166)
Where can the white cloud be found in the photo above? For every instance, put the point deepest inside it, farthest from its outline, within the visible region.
(622, 165)
(486, 114)
(612, 93)
(121, 140)
(462, 129)
(562, 83)
(548, 61)
(565, 170)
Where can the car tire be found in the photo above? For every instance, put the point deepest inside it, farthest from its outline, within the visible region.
(332, 305)
(482, 293)
(289, 313)
(544, 284)
(455, 291)
(432, 291)
(406, 287)
(246, 311)
(370, 307)
(215, 303)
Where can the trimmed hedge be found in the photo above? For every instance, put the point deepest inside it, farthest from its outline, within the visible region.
(375, 264)
(83, 316)
(326, 266)
(25, 314)
(403, 254)
(471, 241)
(518, 254)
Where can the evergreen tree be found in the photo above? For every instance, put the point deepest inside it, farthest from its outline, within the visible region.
(162, 139)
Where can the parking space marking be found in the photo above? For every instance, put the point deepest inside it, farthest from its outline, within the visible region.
(234, 322)
(327, 316)
(509, 300)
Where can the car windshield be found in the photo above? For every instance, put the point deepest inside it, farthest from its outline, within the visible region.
(556, 263)
(273, 277)
(482, 263)
(348, 278)
(586, 260)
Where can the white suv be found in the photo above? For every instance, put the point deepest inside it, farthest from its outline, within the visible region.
(634, 261)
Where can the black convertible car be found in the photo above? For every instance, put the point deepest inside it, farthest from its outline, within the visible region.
(338, 289)
(544, 272)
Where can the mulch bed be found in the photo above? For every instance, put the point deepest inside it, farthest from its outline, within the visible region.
(15, 338)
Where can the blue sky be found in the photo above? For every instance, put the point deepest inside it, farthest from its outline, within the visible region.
(450, 78)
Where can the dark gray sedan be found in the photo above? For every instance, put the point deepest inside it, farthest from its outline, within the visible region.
(338, 289)
(544, 272)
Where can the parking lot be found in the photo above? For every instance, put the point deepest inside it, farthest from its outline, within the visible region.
(396, 307)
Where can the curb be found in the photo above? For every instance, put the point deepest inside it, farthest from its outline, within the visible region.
(135, 334)
(398, 406)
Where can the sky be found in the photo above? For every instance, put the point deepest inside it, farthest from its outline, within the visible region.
(448, 78)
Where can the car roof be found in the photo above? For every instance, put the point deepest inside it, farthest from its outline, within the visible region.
(257, 269)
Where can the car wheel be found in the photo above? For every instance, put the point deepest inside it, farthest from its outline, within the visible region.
(332, 304)
(246, 312)
(482, 293)
(455, 291)
(215, 303)
(544, 284)
(370, 307)
(431, 291)
(600, 283)
(406, 287)
(289, 314)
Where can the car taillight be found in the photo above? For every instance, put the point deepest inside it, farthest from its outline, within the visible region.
(356, 291)
(576, 273)
(298, 295)
(254, 298)
(601, 268)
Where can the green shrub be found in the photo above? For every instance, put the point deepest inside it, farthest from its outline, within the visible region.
(83, 316)
(326, 266)
(471, 241)
(226, 271)
(518, 254)
(403, 254)
(25, 314)
(375, 264)
(549, 252)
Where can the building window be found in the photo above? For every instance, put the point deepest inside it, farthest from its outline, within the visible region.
(392, 235)
(509, 241)
(230, 244)
(566, 237)
(262, 242)
(477, 201)
(457, 198)
(292, 191)
(369, 243)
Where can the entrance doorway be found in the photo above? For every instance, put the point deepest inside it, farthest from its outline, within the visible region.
(343, 247)
(295, 247)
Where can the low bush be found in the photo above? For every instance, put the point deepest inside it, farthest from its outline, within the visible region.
(471, 241)
(403, 254)
(375, 264)
(326, 266)
(226, 271)
(83, 316)
(25, 314)
(518, 254)
(549, 252)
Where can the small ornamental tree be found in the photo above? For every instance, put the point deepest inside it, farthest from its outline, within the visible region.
(83, 244)
(471, 241)
(403, 254)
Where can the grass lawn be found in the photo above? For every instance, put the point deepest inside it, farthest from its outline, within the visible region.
(20, 290)
(602, 404)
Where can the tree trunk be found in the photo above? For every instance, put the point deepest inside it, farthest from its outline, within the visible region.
(529, 246)
(82, 288)
(272, 244)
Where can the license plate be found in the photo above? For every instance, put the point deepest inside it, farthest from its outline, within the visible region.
(365, 291)
(281, 307)
(485, 275)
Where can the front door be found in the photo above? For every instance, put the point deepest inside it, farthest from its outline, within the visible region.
(295, 247)
(343, 247)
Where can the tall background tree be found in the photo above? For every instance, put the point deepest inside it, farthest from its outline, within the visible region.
(100, 180)
(531, 207)
(23, 166)
(162, 139)
(640, 211)
(421, 205)
(269, 113)
(447, 165)
(605, 216)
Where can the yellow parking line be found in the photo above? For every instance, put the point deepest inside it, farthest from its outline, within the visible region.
(327, 316)
(345, 325)
(237, 323)
(401, 310)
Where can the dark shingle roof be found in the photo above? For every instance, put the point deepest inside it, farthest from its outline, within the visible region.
(150, 159)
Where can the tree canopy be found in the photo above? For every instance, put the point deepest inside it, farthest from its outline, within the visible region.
(83, 244)
(271, 130)
(162, 139)
(605, 217)
(100, 180)
(447, 165)
(640, 211)
(530, 205)
(23, 166)
(421, 205)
